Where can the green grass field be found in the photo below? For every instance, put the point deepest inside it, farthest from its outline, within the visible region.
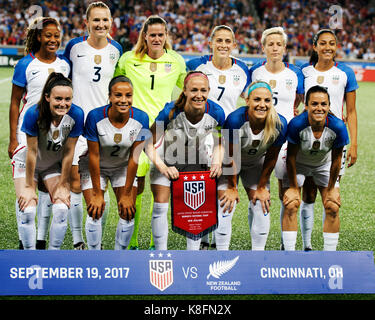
(357, 212)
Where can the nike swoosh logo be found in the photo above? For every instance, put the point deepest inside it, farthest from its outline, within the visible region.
(80, 56)
(34, 73)
(136, 65)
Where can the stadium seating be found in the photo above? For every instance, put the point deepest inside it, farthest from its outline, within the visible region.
(190, 22)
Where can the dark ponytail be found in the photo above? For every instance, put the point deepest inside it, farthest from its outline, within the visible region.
(45, 116)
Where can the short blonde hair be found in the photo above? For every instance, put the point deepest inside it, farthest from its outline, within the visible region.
(274, 30)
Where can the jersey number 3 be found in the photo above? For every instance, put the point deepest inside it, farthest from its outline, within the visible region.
(97, 74)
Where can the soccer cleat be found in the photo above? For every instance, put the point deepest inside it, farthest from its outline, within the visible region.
(204, 246)
(20, 245)
(133, 248)
(40, 244)
(282, 247)
(308, 249)
(152, 248)
(80, 246)
(213, 245)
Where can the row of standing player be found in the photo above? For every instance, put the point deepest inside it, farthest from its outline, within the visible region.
(153, 45)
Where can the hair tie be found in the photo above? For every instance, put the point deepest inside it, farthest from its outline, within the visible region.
(259, 85)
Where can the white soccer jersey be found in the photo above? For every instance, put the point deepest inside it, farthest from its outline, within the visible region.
(92, 70)
(226, 86)
(51, 146)
(186, 143)
(285, 85)
(31, 74)
(338, 80)
(115, 143)
(239, 132)
(314, 151)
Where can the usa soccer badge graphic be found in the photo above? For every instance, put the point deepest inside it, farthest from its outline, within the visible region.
(194, 193)
(194, 204)
(161, 273)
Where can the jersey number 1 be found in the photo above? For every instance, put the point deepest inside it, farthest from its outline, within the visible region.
(152, 81)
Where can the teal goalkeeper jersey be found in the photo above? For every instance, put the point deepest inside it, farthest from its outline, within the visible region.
(153, 80)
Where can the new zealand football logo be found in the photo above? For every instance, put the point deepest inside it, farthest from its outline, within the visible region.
(194, 194)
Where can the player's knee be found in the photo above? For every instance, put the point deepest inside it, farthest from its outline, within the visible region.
(291, 208)
(331, 209)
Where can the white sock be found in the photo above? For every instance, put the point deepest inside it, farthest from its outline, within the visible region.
(159, 225)
(44, 211)
(206, 238)
(106, 210)
(124, 233)
(18, 218)
(93, 230)
(260, 226)
(58, 226)
(193, 244)
(223, 233)
(290, 239)
(249, 216)
(282, 209)
(76, 216)
(306, 219)
(213, 239)
(330, 241)
(27, 228)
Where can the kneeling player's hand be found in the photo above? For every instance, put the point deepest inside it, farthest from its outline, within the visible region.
(27, 197)
(228, 199)
(126, 207)
(95, 207)
(263, 195)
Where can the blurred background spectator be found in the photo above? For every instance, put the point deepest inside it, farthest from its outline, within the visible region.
(190, 22)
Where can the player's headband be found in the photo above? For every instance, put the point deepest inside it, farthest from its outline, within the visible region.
(194, 74)
(259, 85)
(316, 37)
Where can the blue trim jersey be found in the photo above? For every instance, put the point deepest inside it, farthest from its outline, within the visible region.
(115, 143)
(314, 151)
(92, 70)
(50, 146)
(338, 80)
(227, 85)
(183, 139)
(285, 85)
(252, 146)
(31, 74)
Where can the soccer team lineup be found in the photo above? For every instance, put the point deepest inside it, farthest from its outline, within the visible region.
(144, 150)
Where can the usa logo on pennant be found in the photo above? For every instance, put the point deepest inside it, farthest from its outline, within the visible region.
(194, 204)
(161, 273)
(194, 194)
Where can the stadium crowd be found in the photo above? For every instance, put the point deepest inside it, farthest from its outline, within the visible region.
(190, 22)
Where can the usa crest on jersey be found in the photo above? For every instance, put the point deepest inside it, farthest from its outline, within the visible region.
(161, 273)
